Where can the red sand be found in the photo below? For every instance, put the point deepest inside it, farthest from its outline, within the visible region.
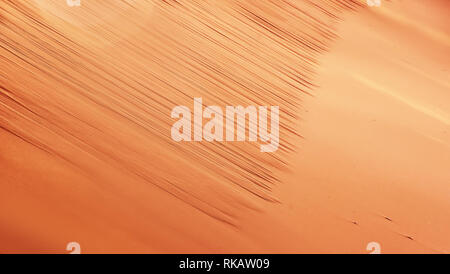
(86, 154)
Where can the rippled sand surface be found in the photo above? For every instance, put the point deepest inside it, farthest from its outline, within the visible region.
(86, 154)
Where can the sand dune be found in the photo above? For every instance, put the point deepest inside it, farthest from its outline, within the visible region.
(86, 154)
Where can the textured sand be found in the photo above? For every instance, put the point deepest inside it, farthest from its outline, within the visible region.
(86, 153)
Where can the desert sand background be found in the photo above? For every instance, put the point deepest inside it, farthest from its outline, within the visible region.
(86, 154)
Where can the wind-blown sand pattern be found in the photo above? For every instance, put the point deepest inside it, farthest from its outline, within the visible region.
(86, 154)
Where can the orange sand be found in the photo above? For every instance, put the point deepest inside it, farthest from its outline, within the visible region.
(86, 154)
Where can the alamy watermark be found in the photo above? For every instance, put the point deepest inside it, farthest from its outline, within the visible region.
(235, 118)
(74, 248)
(73, 3)
(374, 3)
(374, 247)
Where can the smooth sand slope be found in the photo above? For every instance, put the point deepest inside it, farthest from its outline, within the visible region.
(376, 153)
(86, 153)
